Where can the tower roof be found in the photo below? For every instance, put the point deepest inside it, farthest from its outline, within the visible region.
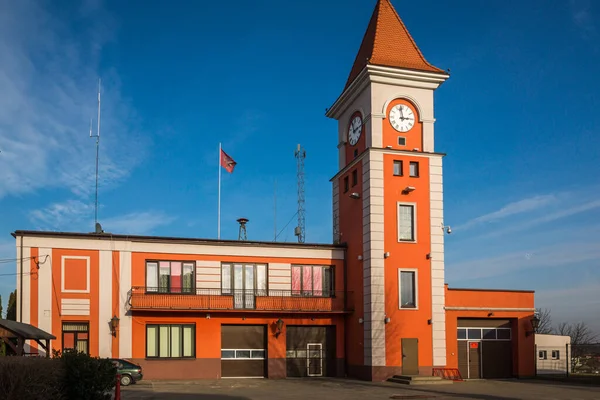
(388, 43)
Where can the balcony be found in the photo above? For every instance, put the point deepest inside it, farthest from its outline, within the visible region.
(153, 299)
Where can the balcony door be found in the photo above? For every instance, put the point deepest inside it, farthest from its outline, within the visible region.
(244, 282)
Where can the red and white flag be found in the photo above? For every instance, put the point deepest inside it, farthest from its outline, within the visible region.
(227, 162)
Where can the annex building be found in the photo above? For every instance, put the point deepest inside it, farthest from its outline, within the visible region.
(370, 305)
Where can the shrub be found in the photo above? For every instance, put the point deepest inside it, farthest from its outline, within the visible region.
(68, 376)
(29, 378)
(88, 378)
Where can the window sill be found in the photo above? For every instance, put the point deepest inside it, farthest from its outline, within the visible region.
(406, 241)
(409, 308)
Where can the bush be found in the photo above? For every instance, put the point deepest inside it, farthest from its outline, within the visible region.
(28, 378)
(68, 376)
(88, 378)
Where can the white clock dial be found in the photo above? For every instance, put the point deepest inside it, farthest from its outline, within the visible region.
(355, 130)
(402, 118)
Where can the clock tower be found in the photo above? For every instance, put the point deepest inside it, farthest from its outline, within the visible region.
(388, 204)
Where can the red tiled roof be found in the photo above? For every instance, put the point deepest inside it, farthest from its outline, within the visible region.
(388, 43)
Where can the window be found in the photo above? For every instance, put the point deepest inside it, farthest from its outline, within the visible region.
(170, 276)
(312, 280)
(503, 333)
(236, 354)
(346, 186)
(406, 223)
(555, 354)
(483, 333)
(75, 337)
(414, 169)
(170, 341)
(355, 153)
(542, 355)
(401, 141)
(354, 177)
(489, 334)
(237, 278)
(398, 167)
(474, 333)
(408, 289)
(461, 333)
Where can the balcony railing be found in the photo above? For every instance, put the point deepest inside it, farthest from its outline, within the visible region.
(146, 298)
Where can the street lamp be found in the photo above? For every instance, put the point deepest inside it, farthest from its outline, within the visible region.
(114, 324)
(535, 323)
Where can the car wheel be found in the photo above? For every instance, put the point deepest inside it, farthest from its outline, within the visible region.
(125, 380)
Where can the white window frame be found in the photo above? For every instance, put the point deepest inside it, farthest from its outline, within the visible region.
(545, 355)
(556, 354)
(416, 289)
(62, 274)
(414, 206)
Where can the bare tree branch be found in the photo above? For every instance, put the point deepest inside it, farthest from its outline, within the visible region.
(545, 324)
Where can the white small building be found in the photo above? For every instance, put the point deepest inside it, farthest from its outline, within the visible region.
(552, 354)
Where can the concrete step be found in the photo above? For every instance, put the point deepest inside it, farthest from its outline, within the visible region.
(416, 380)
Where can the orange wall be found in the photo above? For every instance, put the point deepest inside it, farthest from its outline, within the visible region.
(407, 323)
(351, 233)
(208, 331)
(523, 345)
(414, 137)
(93, 318)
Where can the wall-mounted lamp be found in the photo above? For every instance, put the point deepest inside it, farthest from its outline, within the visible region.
(387, 320)
(354, 195)
(428, 256)
(490, 314)
(386, 254)
(408, 189)
(207, 316)
(114, 325)
(359, 258)
(360, 320)
(448, 229)
(388, 147)
(535, 323)
(428, 322)
(416, 149)
(278, 326)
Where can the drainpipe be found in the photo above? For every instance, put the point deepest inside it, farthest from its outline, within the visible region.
(21, 284)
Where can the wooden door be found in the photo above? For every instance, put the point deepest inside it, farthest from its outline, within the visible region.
(410, 356)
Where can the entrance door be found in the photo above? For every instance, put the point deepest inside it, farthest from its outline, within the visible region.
(243, 286)
(410, 356)
(314, 361)
(474, 351)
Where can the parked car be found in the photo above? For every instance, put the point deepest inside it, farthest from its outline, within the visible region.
(129, 372)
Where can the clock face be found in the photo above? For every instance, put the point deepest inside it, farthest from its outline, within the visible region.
(355, 130)
(402, 118)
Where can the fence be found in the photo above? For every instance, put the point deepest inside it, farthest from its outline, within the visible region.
(566, 360)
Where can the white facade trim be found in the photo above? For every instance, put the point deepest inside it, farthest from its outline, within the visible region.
(125, 323)
(105, 283)
(402, 96)
(78, 307)
(62, 274)
(45, 283)
(150, 246)
(26, 296)
(489, 309)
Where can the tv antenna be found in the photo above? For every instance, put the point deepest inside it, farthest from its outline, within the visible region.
(97, 137)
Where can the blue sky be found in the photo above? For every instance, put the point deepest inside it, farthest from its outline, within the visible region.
(518, 119)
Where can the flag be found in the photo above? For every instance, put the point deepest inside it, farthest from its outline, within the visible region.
(227, 162)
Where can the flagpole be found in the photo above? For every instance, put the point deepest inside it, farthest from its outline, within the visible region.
(219, 207)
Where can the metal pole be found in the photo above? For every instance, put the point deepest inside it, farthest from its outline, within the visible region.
(567, 359)
(219, 206)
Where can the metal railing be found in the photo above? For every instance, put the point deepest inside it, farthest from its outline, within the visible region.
(152, 298)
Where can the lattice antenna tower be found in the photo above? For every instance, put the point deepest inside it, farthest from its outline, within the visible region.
(300, 230)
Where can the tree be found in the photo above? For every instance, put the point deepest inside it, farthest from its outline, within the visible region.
(545, 324)
(580, 333)
(11, 310)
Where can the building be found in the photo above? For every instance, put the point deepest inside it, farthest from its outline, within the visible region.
(552, 354)
(371, 305)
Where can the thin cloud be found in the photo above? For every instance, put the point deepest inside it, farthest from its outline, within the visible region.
(137, 223)
(48, 77)
(61, 216)
(517, 207)
(582, 17)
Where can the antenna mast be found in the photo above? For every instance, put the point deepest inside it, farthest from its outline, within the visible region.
(300, 230)
(97, 137)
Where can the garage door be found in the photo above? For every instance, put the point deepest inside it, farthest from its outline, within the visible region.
(243, 351)
(310, 351)
(485, 348)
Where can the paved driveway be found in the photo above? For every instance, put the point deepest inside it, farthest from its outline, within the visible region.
(331, 389)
